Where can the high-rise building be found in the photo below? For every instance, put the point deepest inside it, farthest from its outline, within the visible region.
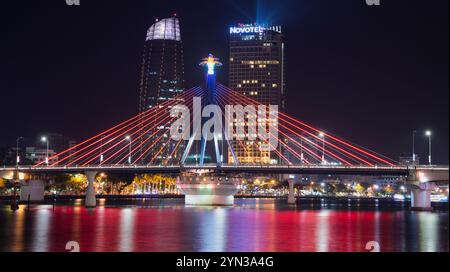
(162, 66)
(257, 71)
(162, 76)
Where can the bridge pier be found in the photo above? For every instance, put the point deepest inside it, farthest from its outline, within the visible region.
(420, 192)
(420, 200)
(291, 196)
(32, 190)
(90, 200)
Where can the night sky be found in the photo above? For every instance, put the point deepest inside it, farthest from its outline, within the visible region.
(371, 75)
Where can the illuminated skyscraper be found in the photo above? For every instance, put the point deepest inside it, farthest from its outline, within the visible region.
(162, 75)
(257, 71)
(162, 66)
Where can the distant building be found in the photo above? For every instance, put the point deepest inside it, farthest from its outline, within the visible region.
(37, 155)
(409, 160)
(162, 78)
(257, 70)
(162, 75)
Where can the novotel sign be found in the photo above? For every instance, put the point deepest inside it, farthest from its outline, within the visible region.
(246, 29)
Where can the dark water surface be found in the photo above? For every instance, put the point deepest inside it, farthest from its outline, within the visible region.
(251, 225)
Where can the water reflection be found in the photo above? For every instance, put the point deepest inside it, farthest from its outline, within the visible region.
(251, 225)
(41, 230)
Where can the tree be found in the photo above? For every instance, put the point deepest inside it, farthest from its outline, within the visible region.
(359, 188)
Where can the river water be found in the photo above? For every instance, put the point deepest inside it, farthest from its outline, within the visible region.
(250, 225)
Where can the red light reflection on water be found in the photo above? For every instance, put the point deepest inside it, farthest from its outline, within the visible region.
(178, 228)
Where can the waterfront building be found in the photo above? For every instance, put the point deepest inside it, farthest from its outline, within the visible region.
(257, 70)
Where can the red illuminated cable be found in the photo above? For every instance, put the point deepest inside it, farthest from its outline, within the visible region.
(327, 142)
(144, 154)
(318, 137)
(148, 138)
(275, 150)
(147, 112)
(173, 152)
(121, 137)
(328, 135)
(156, 121)
(318, 148)
(164, 145)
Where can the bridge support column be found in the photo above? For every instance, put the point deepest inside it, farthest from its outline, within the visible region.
(90, 200)
(420, 200)
(420, 193)
(291, 196)
(32, 190)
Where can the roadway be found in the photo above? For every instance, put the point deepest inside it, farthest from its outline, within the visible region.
(236, 169)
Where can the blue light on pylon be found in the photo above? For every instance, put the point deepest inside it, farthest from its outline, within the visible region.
(210, 62)
(211, 68)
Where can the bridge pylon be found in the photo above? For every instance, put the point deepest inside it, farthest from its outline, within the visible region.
(90, 200)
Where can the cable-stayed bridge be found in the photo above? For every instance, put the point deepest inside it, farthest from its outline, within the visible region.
(145, 144)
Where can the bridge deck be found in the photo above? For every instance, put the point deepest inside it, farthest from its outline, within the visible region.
(227, 168)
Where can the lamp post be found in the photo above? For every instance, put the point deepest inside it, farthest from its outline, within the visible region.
(101, 148)
(428, 133)
(17, 151)
(128, 138)
(322, 136)
(221, 147)
(45, 139)
(301, 149)
(413, 147)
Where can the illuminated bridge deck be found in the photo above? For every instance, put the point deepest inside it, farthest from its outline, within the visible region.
(235, 169)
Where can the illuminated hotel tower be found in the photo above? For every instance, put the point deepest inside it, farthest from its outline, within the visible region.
(257, 71)
(162, 66)
(162, 75)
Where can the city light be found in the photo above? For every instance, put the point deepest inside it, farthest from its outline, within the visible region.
(45, 139)
(428, 133)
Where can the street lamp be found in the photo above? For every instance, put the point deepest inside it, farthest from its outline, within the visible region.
(413, 146)
(128, 138)
(221, 147)
(101, 149)
(428, 133)
(301, 149)
(45, 139)
(17, 151)
(322, 135)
